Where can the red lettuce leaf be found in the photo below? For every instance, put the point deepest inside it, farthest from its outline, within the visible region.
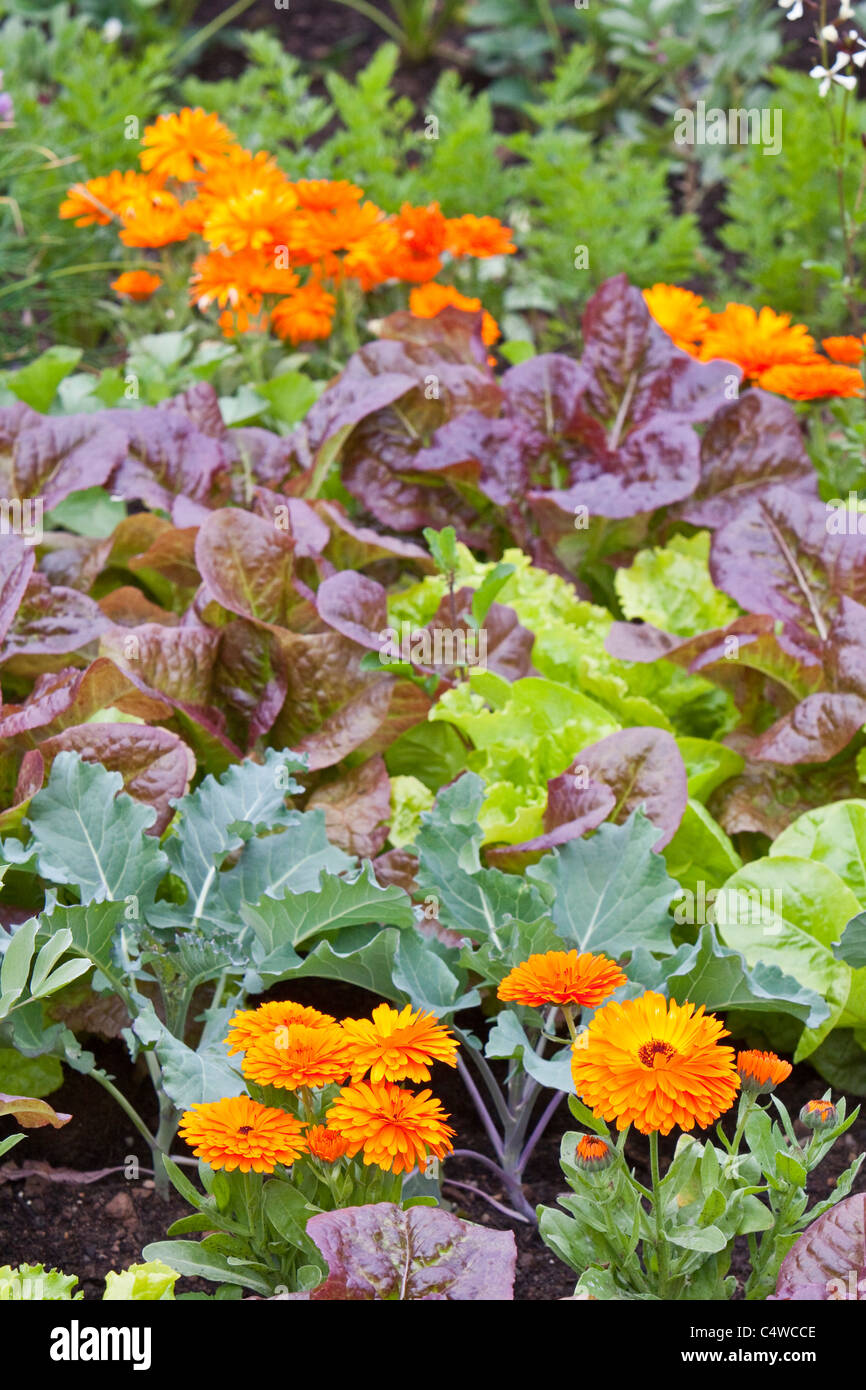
(379, 1252)
(50, 456)
(748, 446)
(777, 557)
(608, 780)
(16, 567)
(51, 622)
(166, 457)
(357, 808)
(828, 1261)
(248, 565)
(156, 765)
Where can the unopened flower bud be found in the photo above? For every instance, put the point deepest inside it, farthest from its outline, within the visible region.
(830, 33)
(761, 1072)
(593, 1154)
(818, 1114)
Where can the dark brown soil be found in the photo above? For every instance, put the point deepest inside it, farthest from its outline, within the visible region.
(324, 35)
(87, 1228)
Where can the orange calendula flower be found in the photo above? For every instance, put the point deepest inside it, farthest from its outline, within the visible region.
(325, 232)
(240, 1133)
(237, 176)
(683, 315)
(562, 977)
(761, 1072)
(179, 145)
(156, 218)
(254, 220)
(398, 1045)
(325, 1143)
(756, 341)
(396, 1129)
(307, 313)
(323, 195)
(593, 1153)
(368, 260)
(426, 301)
(478, 236)
(654, 1063)
(137, 284)
(102, 199)
(810, 381)
(249, 1025)
(819, 1114)
(422, 233)
(298, 1055)
(237, 281)
(846, 348)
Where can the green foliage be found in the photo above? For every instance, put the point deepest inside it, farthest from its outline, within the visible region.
(784, 220)
(670, 587)
(791, 910)
(239, 885)
(681, 1248)
(73, 95)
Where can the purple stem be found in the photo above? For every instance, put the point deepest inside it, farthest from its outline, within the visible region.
(479, 1158)
(477, 1191)
(546, 1117)
(483, 1112)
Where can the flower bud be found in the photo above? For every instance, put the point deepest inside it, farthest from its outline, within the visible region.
(761, 1072)
(818, 1114)
(593, 1154)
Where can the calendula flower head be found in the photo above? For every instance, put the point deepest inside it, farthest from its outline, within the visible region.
(136, 284)
(325, 1144)
(254, 220)
(155, 219)
(238, 282)
(761, 1072)
(654, 1063)
(296, 1055)
(819, 1114)
(846, 348)
(422, 234)
(307, 313)
(394, 1128)
(426, 301)
(683, 315)
(478, 236)
(756, 341)
(240, 1133)
(809, 381)
(324, 232)
(562, 977)
(324, 195)
(181, 145)
(369, 259)
(593, 1154)
(398, 1044)
(102, 199)
(250, 1025)
(241, 175)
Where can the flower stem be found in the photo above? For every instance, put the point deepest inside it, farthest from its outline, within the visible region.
(568, 1015)
(658, 1213)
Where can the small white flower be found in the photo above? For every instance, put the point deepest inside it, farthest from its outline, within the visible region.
(111, 31)
(830, 33)
(846, 11)
(834, 74)
(794, 8)
(855, 41)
